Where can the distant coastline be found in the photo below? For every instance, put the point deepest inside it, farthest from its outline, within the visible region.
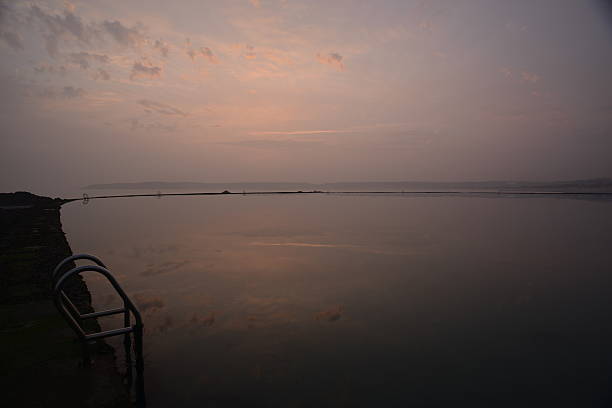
(586, 185)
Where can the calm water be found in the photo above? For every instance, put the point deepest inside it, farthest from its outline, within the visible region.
(345, 301)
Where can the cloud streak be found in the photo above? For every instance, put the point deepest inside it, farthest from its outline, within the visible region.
(332, 59)
(85, 59)
(50, 69)
(59, 28)
(145, 69)
(161, 108)
(529, 77)
(162, 47)
(13, 40)
(299, 132)
(275, 144)
(123, 35)
(137, 124)
(523, 76)
(102, 74)
(67, 92)
(202, 52)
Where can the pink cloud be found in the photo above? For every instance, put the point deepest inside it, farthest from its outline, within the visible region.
(529, 77)
(333, 59)
(202, 52)
(145, 69)
(250, 53)
(506, 72)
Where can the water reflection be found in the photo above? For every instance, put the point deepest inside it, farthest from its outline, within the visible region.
(362, 301)
(134, 379)
(330, 315)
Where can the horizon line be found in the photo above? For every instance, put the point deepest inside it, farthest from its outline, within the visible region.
(607, 179)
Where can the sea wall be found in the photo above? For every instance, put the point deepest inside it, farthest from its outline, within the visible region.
(40, 355)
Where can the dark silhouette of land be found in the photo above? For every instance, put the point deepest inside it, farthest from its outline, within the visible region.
(41, 359)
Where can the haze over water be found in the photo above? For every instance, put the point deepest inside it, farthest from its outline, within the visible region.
(361, 300)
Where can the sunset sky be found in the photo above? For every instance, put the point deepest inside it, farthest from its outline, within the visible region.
(315, 91)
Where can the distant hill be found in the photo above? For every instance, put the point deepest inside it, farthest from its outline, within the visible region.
(589, 185)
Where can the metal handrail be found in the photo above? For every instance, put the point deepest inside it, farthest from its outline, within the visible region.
(129, 306)
(55, 275)
(73, 316)
(73, 258)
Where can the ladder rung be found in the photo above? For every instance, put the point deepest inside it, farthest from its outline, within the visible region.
(103, 313)
(109, 333)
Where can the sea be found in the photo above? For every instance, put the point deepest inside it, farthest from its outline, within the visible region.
(360, 300)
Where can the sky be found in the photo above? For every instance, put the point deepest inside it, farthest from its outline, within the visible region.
(308, 91)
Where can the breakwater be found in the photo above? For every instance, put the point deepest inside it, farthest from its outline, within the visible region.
(40, 355)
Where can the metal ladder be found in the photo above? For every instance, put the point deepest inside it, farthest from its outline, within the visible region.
(74, 317)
